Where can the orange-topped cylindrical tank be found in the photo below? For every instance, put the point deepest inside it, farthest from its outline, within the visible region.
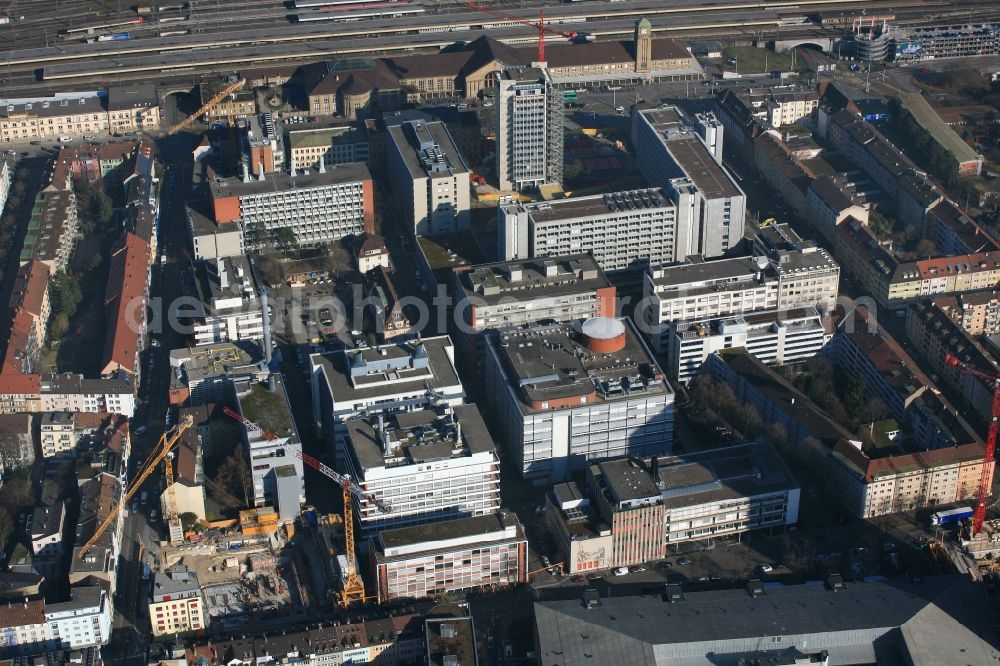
(603, 335)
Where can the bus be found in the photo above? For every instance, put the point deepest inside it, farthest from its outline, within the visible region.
(951, 516)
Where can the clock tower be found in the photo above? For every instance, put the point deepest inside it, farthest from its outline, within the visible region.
(643, 46)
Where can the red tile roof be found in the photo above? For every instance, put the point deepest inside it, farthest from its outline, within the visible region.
(18, 343)
(18, 384)
(126, 283)
(872, 468)
(20, 613)
(30, 286)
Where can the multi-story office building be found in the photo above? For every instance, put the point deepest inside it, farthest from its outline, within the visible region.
(626, 231)
(342, 144)
(462, 554)
(215, 373)
(510, 293)
(133, 108)
(58, 434)
(70, 114)
(430, 465)
(176, 605)
(684, 157)
(83, 621)
(231, 309)
(394, 377)
(635, 510)
(429, 177)
(318, 207)
(773, 336)
(697, 289)
(274, 463)
(262, 148)
(529, 124)
(566, 393)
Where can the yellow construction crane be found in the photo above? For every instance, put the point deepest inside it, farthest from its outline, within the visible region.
(228, 90)
(158, 455)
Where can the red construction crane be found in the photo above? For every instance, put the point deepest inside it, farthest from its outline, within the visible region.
(250, 425)
(979, 516)
(542, 29)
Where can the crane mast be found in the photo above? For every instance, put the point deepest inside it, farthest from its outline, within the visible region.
(167, 441)
(218, 97)
(986, 475)
(540, 25)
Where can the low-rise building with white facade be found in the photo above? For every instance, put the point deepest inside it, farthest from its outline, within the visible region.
(57, 432)
(429, 465)
(461, 554)
(47, 530)
(176, 605)
(340, 144)
(429, 177)
(24, 626)
(83, 621)
(214, 373)
(568, 393)
(774, 336)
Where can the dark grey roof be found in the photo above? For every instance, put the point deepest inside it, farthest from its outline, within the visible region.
(942, 620)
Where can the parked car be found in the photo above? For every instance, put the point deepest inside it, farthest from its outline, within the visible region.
(621, 571)
(684, 561)
(637, 569)
(766, 568)
(545, 560)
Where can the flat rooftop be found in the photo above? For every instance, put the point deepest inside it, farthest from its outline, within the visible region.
(427, 149)
(270, 410)
(717, 275)
(327, 136)
(275, 183)
(597, 205)
(488, 527)
(451, 637)
(418, 437)
(216, 359)
(702, 477)
(552, 363)
(361, 374)
(530, 278)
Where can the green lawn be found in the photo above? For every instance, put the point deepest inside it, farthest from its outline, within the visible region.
(753, 60)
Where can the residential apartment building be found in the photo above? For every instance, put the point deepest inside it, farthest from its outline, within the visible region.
(231, 307)
(429, 177)
(567, 393)
(789, 108)
(978, 312)
(394, 377)
(774, 399)
(6, 178)
(125, 304)
(30, 297)
(370, 252)
(275, 464)
(936, 335)
(133, 108)
(342, 144)
(70, 114)
(383, 307)
(47, 530)
(831, 205)
(98, 498)
(529, 129)
(210, 239)
(188, 490)
(176, 605)
(318, 207)
(25, 629)
(35, 393)
(672, 153)
(775, 337)
(52, 230)
(782, 280)
(19, 442)
(626, 231)
(262, 145)
(429, 465)
(83, 621)
(874, 485)
(509, 293)
(481, 552)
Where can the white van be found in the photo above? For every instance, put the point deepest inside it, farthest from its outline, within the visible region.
(65, 139)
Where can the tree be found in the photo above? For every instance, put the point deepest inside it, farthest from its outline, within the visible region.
(58, 326)
(285, 238)
(234, 475)
(189, 521)
(854, 397)
(268, 269)
(926, 248)
(95, 262)
(103, 209)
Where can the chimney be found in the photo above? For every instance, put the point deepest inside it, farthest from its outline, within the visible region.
(458, 433)
(291, 168)
(260, 171)
(267, 326)
(246, 173)
(322, 165)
